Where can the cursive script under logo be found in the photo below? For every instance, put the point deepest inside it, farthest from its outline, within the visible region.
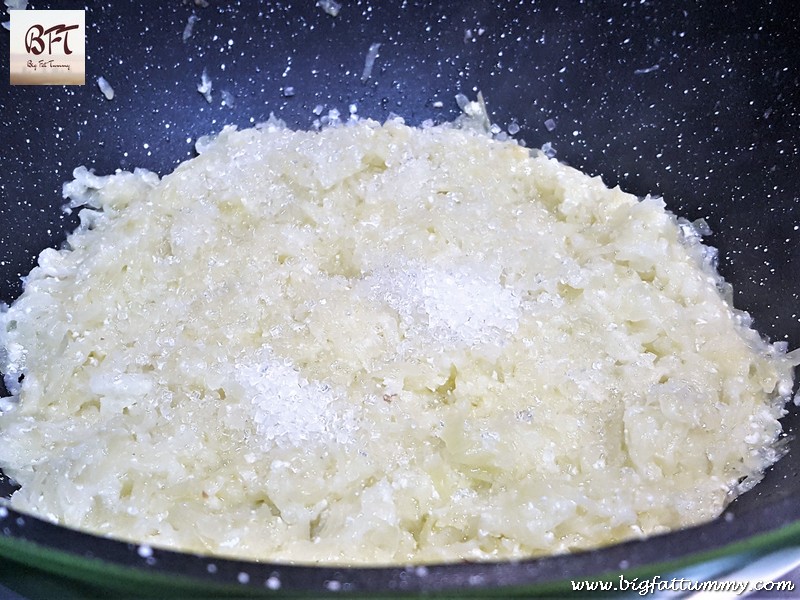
(47, 64)
(35, 38)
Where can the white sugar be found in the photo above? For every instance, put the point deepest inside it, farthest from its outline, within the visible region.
(453, 305)
(287, 409)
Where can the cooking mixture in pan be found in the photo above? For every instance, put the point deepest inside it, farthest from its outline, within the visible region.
(379, 344)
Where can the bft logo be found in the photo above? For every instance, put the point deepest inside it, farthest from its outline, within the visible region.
(48, 47)
(34, 38)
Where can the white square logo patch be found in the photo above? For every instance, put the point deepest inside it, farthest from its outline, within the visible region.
(48, 47)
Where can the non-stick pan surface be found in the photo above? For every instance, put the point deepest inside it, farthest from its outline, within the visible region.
(695, 101)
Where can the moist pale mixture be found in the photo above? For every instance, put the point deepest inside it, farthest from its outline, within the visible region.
(380, 344)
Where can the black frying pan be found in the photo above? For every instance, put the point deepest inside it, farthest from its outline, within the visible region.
(697, 101)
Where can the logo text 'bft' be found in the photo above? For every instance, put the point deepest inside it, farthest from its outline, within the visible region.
(34, 42)
(48, 47)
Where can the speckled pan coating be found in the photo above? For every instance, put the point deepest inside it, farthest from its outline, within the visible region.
(697, 101)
